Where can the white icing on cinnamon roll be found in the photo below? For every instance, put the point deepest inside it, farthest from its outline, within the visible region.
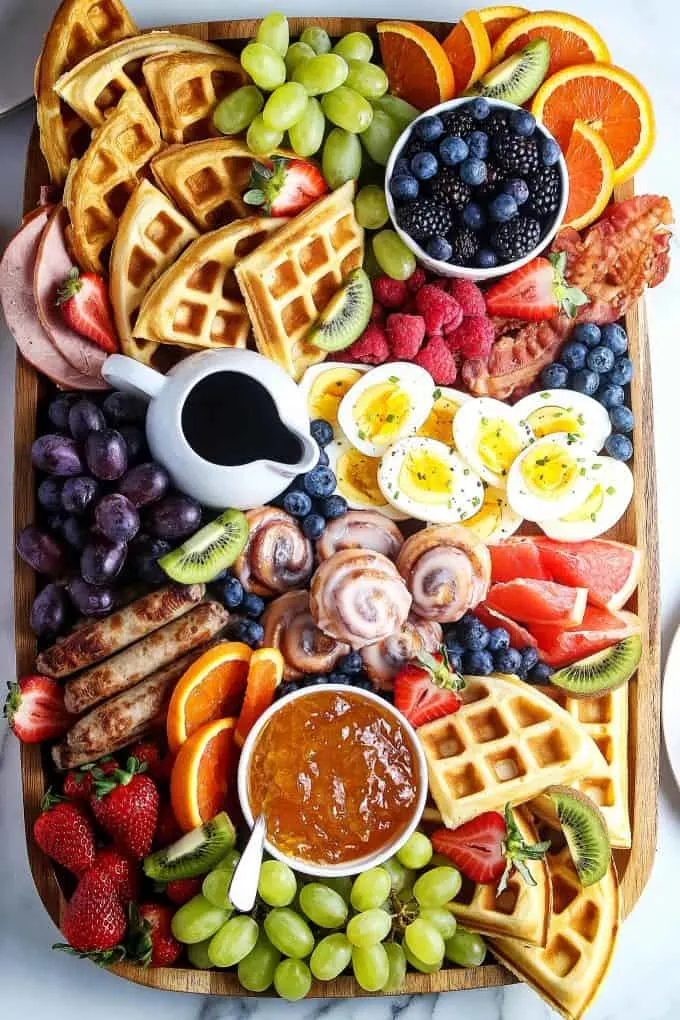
(447, 569)
(290, 627)
(277, 556)
(361, 529)
(384, 659)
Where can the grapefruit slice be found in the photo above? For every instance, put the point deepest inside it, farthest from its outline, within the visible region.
(572, 40)
(609, 570)
(520, 637)
(518, 557)
(497, 19)
(600, 629)
(469, 51)
(591, 176)
(531, 601)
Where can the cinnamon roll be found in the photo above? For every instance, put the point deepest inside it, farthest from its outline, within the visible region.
(290, 627)
(361, 529)
(384, 659)
(277, 556)
(357, 596)
(447, 569)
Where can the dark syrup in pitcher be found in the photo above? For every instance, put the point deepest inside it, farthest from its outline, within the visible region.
(229, 419)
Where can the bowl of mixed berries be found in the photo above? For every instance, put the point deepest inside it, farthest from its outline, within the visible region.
(476, 187)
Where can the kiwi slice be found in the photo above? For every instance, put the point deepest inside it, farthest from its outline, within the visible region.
(602, 671)
(583, 826)
(346, 315)
(517, 78)
(195, 853)
(210, 551)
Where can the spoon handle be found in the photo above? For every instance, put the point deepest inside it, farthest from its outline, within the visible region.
(243, 888)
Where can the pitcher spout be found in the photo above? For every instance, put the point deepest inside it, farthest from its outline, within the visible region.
(308, 457)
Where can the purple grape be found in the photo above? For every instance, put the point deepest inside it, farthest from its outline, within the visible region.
(106, 454)
(40, 551)
(55, 522)
(145, 483)
(49, 611)
(75, 533)
(49, 493)
(90, 600)
(83, 418)
(102, 560)
(124, 408)
(135, 440)
(117, 518)
(174, 517)
(78, 494)
(57, 455)
(58, 410)
(147, 551)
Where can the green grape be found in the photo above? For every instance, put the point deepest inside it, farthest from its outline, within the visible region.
(321, 74)
(396, 959)
(230, 860)
(423, 939)
(256, 970)
(398, 261)
(465, 948)
(198, 955)
(285, 106)
(354, 46)
(264, 65)
(368, 927)
(380, 137)
(277, 885)
(292, 980)
(341, 158)
(371, 889)
(298, 52)
(347, 109)
(330, 957)
(235, 112)
(197, 920)
(342, 884)
(424, 968)
(437, 886)
(368, 80)
(215, 887)
(323, 906)
(233, 941)
(273, 32)
(441, 919)
(306, 137)
(397, 108)
(371, 967)
(289, 932)
(317, 38)
(399, 875)
(261, 139)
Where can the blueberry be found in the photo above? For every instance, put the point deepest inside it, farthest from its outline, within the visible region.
(574, 355)
(600, 359)
(478, 144)
(610, 395)
(323, 459)
(232, 593)
(479, 108)
(252, 605)
(585, 381)
(499, 639)
(350, 663)
(518, 188)
(322, 431)
(555, 376)
(540, 673)
(454, 647)
(297, 503)
(424, 166)
(363, 683)
(486, 258)
(253, 633)
(502, 208)
(474, 216)
(474, 636)
(473, 171)
(522, 123)
(529, 658)
(587, 333)
(508, 660)
(550, 152)
(429, 129)
(621, 418)
(614, 337)
(439, 248)
(401, 168)
(478, 663)
(404, 188)
(453, 150)
(332, 678)
(332, 507)
(289, 687)
(619, 447)
(319, 482)
(622, 372)
(456, 662)
(313, 526)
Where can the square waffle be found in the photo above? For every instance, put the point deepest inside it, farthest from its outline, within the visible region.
(290, 279)
(99, 185)
(505, 744)
(197, 302)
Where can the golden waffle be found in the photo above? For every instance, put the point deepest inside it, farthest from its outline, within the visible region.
(606, 720)
(79, 28)
(505, 744)
(151, 234)
(197, 303)
(291, 278)
(94, 86)
(584, 924)
(185, 88)
(99, 185)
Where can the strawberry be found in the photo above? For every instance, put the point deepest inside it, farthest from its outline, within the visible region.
(286, 187)
(488, 848)
(125, 804)
(425, 688)
(123, 872)
(150, 940)
(79, 783)
(94, 921)
(535, 291)
(180, 890)
(84, 302)
(64, 832)
(35, 709)
(149, 753)
(167, 829)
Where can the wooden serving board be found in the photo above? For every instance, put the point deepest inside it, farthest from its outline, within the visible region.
(639, 526)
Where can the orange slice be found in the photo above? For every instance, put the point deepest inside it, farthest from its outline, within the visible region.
(264, 676)
(607, 98)
(591, 176)
(469, 51)
(571, 40)
(212, 688)
(415, 63)
(203, 779)
(497, 19)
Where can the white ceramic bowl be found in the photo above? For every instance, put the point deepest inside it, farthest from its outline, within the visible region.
(470, 272)
(360, 863)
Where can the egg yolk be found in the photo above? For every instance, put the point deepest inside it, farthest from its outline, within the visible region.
(381, 410)
(488, 518)
(327, 391)
(545, 421)
(439, 423)
(589, 509)
(549, 470)
(498, 444)
(426, 478)
(357, 477)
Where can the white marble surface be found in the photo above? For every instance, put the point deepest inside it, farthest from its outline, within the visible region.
(644, 981)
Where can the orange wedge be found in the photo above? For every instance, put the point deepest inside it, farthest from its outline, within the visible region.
(591, 176)
(415, 63)
(264, 676)
(497, 19)
(212, 688)
(203, 779)
(611, 101)
(571, 40)
(469, 51)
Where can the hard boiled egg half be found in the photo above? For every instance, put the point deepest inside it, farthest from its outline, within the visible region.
(357, 478)
(550, 478)
(495, 519)
(551, 411)
(323, 387)
(490, 435)
(439, 422)
(425, 479)
(611, 490)
(387, 404)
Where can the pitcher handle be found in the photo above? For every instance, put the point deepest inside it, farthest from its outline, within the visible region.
(127, 374)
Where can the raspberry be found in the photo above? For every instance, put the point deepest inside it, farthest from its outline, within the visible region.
(438, 309)
(405, 335)
(473, 338)
(416, 280)
(390, 293)
(438, 360)
(377, 313)
(371, 348)
(469, 297)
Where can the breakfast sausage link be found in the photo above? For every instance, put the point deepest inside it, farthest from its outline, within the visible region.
(98, 639)
(128, 667)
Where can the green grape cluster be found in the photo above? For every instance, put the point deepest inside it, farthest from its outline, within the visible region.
(377, 924)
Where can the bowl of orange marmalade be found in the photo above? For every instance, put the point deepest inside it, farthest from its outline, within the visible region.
(340, 777)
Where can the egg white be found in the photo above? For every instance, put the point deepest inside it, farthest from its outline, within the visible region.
(477, 415)
(336, 450)
(537, 506)
(431, 428)
(495, 519)
(314, 375)
(464, 490)
(409, 383)
(614, 482)
(583, 417)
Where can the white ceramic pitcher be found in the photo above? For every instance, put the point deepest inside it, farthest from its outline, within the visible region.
(241, 486)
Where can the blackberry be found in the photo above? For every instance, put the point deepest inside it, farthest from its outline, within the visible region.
(448, 189)
(544, 192)
(516, 238)
(415, 145)
(460, 123)
(517, 154)
(465, 245)
(425, 218)
(495, 179)
(496, 125)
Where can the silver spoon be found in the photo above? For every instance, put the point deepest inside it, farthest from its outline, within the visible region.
(243, 888)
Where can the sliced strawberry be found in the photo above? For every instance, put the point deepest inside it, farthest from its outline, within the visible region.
(535, 291)
(425, 688)
(286, 187)
(35, 709)
(85, 306)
